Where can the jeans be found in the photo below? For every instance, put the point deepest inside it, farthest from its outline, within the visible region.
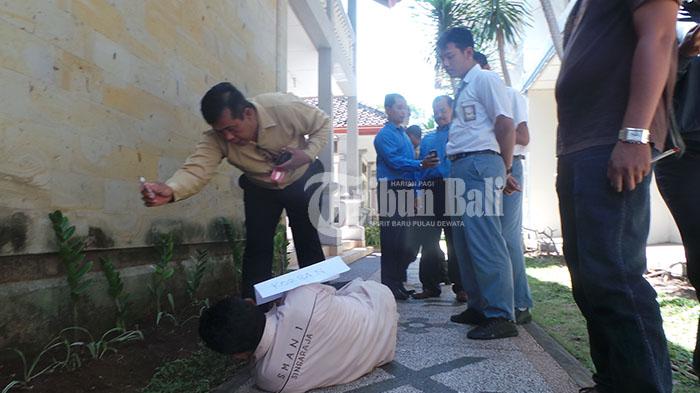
(677, 179)
(263, 208)
(605, 235)
(512, 222)
(484, 262)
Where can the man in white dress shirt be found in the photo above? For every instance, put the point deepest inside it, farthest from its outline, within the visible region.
(512, 219)
(316, 336)
(480, 147)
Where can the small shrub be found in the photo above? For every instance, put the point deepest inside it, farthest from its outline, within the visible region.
(280, 263)
(162, 273)
(236, 241)
(372, 235)
(71, 251)
(116, 291)
(195, 275)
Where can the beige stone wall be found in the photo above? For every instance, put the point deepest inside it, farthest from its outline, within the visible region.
(95, 93)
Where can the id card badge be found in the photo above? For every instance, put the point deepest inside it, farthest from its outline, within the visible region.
(469, 112)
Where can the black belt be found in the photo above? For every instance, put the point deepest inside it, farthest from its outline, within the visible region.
(459, 156)
(519, 156)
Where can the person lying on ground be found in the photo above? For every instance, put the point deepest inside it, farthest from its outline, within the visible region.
(316, 336)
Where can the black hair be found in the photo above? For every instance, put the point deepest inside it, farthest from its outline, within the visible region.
(444, 97)
(232, 325)
(390, 99)
(460, 36)
(481, 59)
(221, 96)
(414, 130)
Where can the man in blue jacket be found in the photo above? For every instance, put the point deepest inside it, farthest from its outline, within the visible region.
(397, 170)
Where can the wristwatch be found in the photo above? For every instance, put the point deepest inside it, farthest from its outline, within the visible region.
(634, 135)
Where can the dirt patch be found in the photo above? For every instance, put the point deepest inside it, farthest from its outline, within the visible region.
(126, 371)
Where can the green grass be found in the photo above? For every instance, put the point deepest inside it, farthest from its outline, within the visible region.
(198, 373)
(556, 312)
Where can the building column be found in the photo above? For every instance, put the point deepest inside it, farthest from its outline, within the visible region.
(330, 237)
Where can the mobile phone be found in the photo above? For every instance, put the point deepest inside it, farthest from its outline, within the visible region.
(432, 153)
(284, 157)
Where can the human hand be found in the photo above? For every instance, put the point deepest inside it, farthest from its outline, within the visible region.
(512, 185)
(156, 194)
(690, 46)
(430, 161)
(628, 165)
(298, 159)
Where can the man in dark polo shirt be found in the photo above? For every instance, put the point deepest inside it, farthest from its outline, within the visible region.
(613, 93)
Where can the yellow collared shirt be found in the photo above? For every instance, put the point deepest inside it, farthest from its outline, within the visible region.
(284, 121)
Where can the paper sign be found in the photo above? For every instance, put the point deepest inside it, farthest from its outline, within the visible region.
(274, 288)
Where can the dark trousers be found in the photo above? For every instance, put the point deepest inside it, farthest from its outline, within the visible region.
(678, 180)
(395, 230)
(263, 208)
(605, 235)
(432, 270)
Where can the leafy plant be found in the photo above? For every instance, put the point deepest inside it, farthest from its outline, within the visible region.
(107, 342)
(71, 251)
(116, 291)
(372, 234)
(236, 242)
(281, 259)
(35, 368)
(162, 273)
(195, 275)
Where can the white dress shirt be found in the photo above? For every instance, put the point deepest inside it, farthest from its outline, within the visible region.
(483, 98)
(519, 115)
(321, 337)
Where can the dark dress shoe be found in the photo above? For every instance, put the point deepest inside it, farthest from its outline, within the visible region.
(493, 328)
(468, 317)
(407, 292)
(427, 293)
(398, 293)
(522, 317)
(461, 296)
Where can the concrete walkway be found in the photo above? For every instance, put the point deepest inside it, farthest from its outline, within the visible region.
(433, 355)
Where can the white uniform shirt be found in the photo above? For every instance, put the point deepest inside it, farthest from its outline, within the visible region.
(321, 337)
(519, 115)
(483, 98)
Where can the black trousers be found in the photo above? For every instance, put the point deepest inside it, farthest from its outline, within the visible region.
(395, 231)
(263, 208)
(678, 180)
(430, 228)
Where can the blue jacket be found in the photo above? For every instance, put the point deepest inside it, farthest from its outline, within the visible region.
(395, 154)
(436, 140)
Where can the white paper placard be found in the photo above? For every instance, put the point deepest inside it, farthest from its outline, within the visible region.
(274, 288)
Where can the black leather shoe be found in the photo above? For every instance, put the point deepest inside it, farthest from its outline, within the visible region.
(407, 292)
(522, 317)
(493, 328)
(398, 293)
(468, 317)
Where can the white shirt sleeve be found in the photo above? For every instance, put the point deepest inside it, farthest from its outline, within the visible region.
(519, 107)
(493, 95)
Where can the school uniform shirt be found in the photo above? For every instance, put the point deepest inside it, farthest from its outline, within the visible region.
(519, 116)
(284, 120)
(321, 337)
(481, 100)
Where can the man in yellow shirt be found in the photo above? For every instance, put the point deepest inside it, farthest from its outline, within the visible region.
(274, 139)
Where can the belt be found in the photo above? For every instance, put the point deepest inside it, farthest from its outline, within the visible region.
(459, 156)
(519, 156)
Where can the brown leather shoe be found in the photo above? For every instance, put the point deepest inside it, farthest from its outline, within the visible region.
(461, 296)
(427, 293)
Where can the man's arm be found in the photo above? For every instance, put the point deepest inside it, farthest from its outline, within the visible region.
(654, 23)
(687, 50)
(317, 125)
(494, 96)
(505, 135)
(195, 173)
(522, 134)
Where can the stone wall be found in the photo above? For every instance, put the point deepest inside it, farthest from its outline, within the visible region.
(94, 94)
